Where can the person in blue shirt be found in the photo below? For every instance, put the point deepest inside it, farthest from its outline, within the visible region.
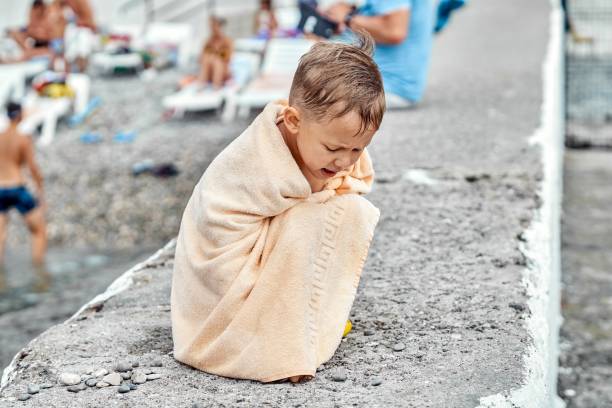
(403, 31)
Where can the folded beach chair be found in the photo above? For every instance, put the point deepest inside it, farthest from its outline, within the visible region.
(193, 98)
(45, 112)
(273, 82)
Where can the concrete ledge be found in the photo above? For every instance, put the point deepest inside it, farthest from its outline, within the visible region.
(463, 271)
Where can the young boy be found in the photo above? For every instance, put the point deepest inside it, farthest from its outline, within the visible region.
(16, 151)
(275, 235)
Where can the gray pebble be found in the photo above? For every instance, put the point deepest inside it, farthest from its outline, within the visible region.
(77, 388)
(102, 384)
(112, 378)
(23, 397)
(127, 375)
(91, 382)
(399, 347)
(123, 389)
(369, 332)
(339, 375)
(123, 366)
(196, 405)
(376, 381)
(46, 385)
(156, 363)
(33, 389)
(135, 364)
(133, 387)
(148, 371)
(69, 378)
(153, 377)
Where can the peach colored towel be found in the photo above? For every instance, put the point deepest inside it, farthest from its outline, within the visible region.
(265, 271)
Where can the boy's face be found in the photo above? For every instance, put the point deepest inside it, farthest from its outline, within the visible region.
(329, 146)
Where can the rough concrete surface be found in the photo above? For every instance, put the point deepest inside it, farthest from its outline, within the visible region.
(585, 378)
(444, 274)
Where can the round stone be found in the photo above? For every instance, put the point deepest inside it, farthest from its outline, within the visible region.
(69, 378)
(139, 378)
(100, 372)
(123, 389)
(76, 388)
(369, 332)
(127, 375)
(133, 387)
(156, 363)
(91, 382)
(135, 364)
(23, 397)
(339, 375)
(33, 389)
(102, 384)
(123, 366)
(46, 385)
(399, 347)
(153, 376)
(376, 381)
(112, 378)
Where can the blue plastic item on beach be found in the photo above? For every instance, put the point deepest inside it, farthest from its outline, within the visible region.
(77, 119)
(124, 137)
(90, 138)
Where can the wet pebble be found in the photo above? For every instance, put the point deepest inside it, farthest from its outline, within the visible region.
(23, 397)
(399, 347)
(123, 389)
(339, 375)
(33, 389)
(69, 378)
(91, 382)
(376, 381)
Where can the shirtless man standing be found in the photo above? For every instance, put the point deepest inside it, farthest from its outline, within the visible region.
(17, 151)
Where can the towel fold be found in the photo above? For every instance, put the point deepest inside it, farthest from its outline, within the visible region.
(265, 270)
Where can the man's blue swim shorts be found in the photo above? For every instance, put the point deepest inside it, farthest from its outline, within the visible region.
(18, 197)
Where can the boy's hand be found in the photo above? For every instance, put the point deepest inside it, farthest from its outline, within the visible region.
(338, 13)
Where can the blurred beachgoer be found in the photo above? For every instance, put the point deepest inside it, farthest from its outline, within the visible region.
(35, 38)
(16, 152)
(265, 20)
(403, 31)
(570, 27)
(216, 55)
(80, 33)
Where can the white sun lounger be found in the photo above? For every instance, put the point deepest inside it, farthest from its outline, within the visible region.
(274, 81)
(13, 77)
(192, 98)
(47, 111)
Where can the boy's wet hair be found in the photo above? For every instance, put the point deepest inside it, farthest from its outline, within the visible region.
(333, 79)
(13, 110)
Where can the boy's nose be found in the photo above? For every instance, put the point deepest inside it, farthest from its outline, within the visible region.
(343, 162)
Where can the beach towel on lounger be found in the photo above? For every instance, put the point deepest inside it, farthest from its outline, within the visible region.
(266, 271)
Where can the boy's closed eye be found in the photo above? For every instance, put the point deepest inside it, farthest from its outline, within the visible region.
(335, 149)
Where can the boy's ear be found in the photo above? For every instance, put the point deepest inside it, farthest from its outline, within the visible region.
(291, 117)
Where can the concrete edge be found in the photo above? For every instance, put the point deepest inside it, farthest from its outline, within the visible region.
(542, 249)
(123, 282)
